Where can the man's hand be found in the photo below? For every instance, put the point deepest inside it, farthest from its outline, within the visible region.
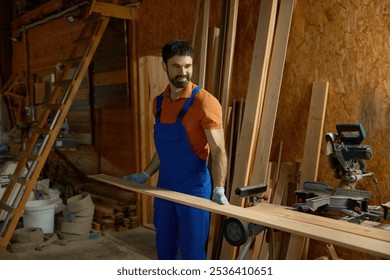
(137, 177)
(219, 196)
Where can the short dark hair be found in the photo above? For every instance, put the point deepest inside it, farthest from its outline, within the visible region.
(176, 47)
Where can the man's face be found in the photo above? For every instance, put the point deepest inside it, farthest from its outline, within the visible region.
(179, 70)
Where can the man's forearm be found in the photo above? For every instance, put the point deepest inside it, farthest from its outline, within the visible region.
(153, 165)
(219, 167)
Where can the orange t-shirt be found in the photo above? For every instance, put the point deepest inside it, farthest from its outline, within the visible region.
(204, 113)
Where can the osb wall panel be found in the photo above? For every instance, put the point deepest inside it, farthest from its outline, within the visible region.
(347, 44)
(162, 21)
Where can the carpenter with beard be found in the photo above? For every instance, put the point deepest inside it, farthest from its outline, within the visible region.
(188, 128)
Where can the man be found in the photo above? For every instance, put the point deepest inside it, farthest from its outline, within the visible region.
(188, 128)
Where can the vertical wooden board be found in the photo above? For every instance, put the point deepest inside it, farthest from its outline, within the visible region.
(255, 95)
(212, 60)
(146, 142)
(272, 92)
(254, 101)
(309, 168)
(228, 57)
(201, 69)
(314, 133)
(153, 81)
(157, 82)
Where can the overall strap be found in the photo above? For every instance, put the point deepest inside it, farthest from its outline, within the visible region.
(187, 105)
(159, 100)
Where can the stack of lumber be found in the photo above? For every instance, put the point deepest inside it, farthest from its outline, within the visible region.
(114, 208)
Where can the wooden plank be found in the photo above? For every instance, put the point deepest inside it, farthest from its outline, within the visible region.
(116, 11)
(42, 11)
(153, 81)
(345, 235)
(228, 57)
(275, 198)
(271, 100)
(311, 156)
(196, 23)
(272, 92)
(212, 60)
(253, 106)
(203, 45)
(314, 133)
(255, 95)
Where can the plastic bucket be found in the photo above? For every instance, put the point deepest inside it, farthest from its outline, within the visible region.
(39, 213)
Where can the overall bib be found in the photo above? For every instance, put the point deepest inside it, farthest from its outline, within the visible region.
(181, 231)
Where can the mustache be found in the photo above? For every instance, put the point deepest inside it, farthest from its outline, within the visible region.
(181, 76)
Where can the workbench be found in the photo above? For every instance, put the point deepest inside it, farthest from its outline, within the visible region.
(366, 239)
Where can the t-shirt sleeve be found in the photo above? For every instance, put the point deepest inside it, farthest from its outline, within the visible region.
(212, 113)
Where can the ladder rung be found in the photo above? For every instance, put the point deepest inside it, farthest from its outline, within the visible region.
(29, 156)
(20, 180)
(6, 207)
(40, 130)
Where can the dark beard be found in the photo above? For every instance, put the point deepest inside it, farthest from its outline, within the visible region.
(180, 84)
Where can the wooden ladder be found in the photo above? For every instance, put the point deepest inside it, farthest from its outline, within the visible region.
(41, 142)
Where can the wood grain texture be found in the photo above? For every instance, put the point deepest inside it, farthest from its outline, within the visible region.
(340, 233)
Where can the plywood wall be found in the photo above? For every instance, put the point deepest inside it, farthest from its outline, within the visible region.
(347, 44)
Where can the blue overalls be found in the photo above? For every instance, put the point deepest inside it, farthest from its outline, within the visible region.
(181, 231)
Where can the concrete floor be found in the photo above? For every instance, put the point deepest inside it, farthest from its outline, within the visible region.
(133, 244)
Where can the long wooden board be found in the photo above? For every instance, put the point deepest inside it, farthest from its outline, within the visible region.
(298, 246)
(363, 239)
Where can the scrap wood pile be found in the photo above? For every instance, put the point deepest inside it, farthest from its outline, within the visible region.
(114, 208)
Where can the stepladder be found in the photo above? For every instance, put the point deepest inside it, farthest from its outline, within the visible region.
(46, 129)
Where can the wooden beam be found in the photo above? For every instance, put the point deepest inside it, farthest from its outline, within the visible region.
(228, 54)
(311, 156)
(271, 100)
(272, 92)
(314, 133)
(361, 238)
(116, 11)
(203, 45)
(253, 106)
(255, 95)
(43, 10)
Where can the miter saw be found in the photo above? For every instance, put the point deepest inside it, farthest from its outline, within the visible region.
(346, 156)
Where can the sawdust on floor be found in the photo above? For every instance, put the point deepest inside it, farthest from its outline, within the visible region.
(133, 244)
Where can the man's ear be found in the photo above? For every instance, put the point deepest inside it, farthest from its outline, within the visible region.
(164, 66)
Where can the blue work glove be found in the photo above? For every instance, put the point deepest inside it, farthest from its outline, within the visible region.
(219, 196)
(137, 177)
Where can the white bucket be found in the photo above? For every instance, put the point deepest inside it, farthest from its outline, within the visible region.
(39, 213)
